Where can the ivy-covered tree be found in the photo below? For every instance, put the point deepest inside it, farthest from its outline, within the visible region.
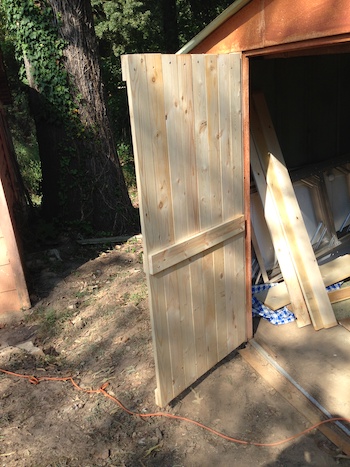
(56, 45)
(82, 177)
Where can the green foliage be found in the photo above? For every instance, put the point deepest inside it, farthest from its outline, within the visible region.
(194, 15)
(39, 50)
(122, 26)
(136, 26)
(30, 168)
(126, 158)
(48, 319)
(25, 144)
(126, 25)
(20, 121)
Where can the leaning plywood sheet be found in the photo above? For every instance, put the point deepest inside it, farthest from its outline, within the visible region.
(290, 218)
(187, 137)
(334, 271)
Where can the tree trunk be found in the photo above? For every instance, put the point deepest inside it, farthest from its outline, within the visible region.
(94, 181)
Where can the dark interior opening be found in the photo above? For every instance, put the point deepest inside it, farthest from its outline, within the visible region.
(308, 98)
(309, 102)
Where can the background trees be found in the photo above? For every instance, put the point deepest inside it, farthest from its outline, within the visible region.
(72, 76)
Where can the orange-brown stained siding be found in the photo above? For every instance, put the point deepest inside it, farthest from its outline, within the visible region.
(264, 23)
(13, 290)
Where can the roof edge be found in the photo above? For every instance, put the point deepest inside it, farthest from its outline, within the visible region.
(218, 21)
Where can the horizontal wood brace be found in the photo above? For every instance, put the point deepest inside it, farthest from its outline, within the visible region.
(194, 245)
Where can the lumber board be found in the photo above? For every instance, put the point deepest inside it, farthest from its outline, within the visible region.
(332, 272)
(345, 322)
(336, 270)
(102, 240)
(209, 193)
(194, 245)
(259, 257)
(145, 100)
(295, 397)
(295, 233)
(339, 295)
(275, 227)
(203, 301)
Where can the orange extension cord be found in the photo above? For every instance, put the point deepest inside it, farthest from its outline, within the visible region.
(102, 390)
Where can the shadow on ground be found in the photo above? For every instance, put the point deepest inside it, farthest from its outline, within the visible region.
(91, 320)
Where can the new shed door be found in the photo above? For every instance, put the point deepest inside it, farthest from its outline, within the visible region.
(187, 134)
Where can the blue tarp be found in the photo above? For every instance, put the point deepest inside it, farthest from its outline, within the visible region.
(280, 316)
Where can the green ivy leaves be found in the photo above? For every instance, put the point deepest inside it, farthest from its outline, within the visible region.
(40, 52)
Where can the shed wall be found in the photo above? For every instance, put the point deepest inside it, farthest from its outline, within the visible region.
(267, 23)
(13, 290)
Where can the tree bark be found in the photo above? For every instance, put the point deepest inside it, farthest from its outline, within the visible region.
(106, 201)
(82, 176)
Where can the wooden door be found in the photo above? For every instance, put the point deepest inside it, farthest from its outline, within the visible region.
(186, 123)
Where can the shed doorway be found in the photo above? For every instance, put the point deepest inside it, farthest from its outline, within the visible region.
(308, 98)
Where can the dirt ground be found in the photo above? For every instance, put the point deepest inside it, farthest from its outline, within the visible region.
(90, 320)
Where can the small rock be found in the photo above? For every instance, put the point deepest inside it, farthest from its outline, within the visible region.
(78, 405)
(78, 322)
(29, 347)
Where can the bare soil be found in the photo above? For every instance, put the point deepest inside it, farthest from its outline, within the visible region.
(90, 319)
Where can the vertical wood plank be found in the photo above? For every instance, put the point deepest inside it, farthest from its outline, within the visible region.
(214, 213)
(241, 288)
(229, 204)
(245, 89)
(197, 287)
(200, 280)
(177, 71)
(319, 306)
(173, 334)
(145, 94)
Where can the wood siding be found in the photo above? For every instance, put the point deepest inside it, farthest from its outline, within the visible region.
(13, 290)
(268, 23)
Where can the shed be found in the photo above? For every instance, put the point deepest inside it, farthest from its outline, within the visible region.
(13, 289)
(258, 102)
